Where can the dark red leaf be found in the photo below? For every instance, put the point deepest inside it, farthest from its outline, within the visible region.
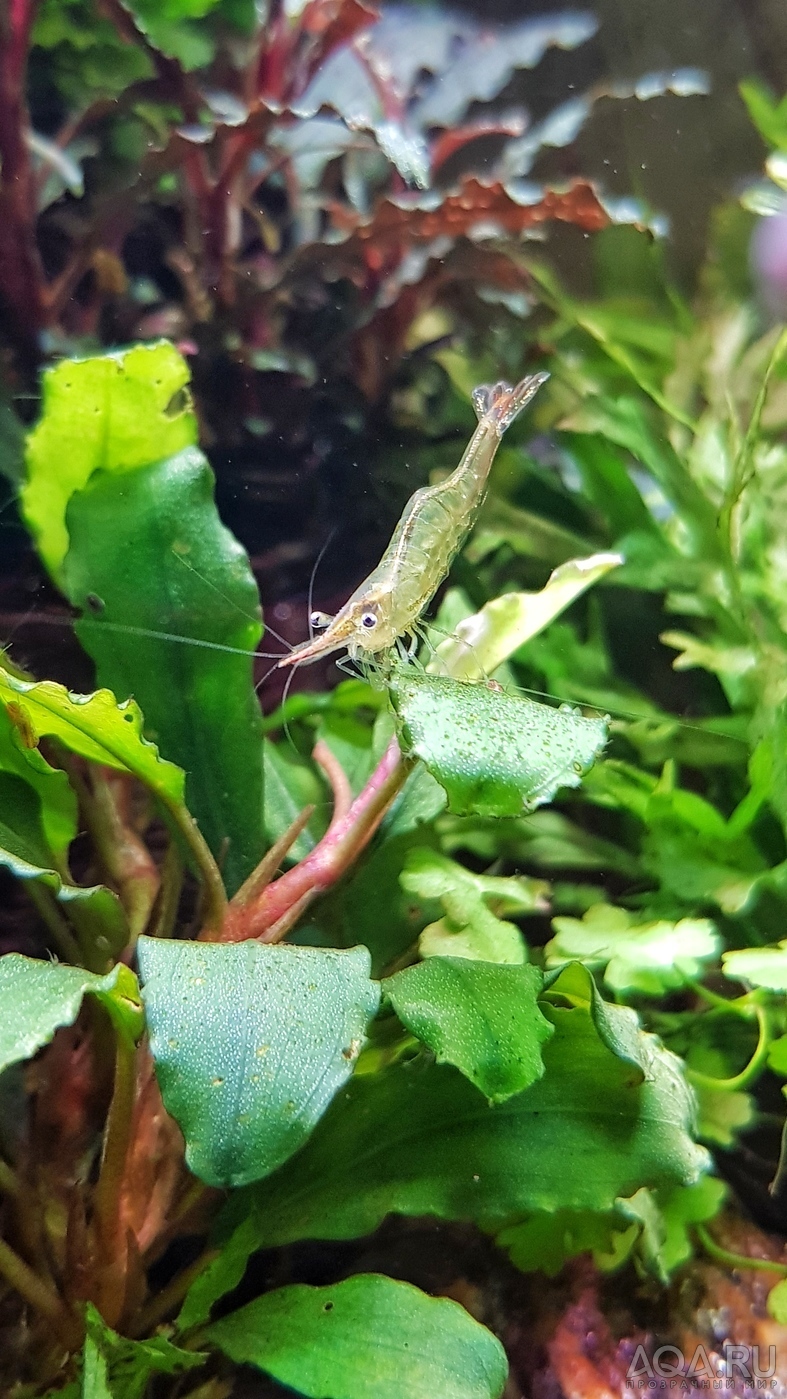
(293, 53)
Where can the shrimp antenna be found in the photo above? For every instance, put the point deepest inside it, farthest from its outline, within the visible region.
(317, 563)
(231, 603)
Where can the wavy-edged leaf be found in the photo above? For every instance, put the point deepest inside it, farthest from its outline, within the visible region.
(40, 997)
(368, 1337)
(114, 412)
(482, 1018)
(251, 1042)
(495, 754)
(396, 224)
(94, 726)
(20, 757)
(484, 641)
(171, 616)
(421, 1139)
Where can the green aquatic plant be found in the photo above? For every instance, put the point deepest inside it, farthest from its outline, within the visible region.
(324, 1056)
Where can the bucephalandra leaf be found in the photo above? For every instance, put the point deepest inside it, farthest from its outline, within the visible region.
(251, 1042)
(175, 587)
(494, 753)
(479, 1016)
(95, 726)
(368, 1337)
(39, 997)
(114, 412)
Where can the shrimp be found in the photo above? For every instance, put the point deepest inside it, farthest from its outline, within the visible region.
(433, 527)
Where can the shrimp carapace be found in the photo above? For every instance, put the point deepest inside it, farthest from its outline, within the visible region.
(433, 527)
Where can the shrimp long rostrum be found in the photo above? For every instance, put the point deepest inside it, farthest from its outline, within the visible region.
(433, 527)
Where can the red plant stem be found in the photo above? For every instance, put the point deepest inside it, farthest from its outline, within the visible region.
(340, 786)
(341, 845)
(21, 271)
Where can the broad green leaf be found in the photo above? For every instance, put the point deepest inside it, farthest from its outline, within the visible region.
(482, 1018)
(494, 753)
(94, 726)
(471, 926)
(39, 997)
(421, 1139)
(544, 1242)
(760, 966)
(484, 641)
(149, 555)
(23, 847)
(251, 1042)
(116, 412)
(21, 757)
(648, 958)
(369, 1337)
(353, 912)
(116, 1368)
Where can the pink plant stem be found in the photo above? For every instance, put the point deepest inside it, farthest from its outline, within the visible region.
(341, 845)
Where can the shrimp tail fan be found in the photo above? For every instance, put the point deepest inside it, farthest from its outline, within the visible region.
(500, 404)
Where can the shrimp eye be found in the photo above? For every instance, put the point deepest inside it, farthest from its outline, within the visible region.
(319, 620)
(368, 620)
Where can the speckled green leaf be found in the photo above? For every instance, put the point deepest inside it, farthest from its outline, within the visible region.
(150, 554)
(113, 412)
(369, 1337)
(495, 754)
(480, 1017)
(38, 997)
(421, 1139)
(251, 1042)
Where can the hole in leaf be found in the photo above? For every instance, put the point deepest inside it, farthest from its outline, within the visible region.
(328, 1307)
(180, 402)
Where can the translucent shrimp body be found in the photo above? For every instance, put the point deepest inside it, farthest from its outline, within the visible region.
(434, 525)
